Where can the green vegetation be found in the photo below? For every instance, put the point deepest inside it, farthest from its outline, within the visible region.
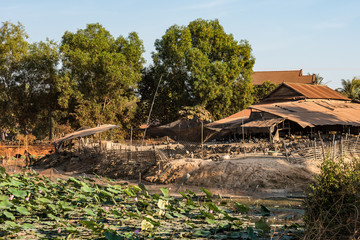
(99, 76)
(36, 207)
(263, 90)
(27, 80)
(351, 88)
(199, 65)
(332, 205)
(92, 78)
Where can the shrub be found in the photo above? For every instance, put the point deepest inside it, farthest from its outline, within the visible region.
(332, 205)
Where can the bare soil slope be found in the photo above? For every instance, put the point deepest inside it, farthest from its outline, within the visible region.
(256, 173)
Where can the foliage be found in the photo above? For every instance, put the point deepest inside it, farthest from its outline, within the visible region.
(99, 76)
(198, 112)
(333, 202)
(27, 78)
(199, 64)
(261, 91)
(351, 88)
(79, 208)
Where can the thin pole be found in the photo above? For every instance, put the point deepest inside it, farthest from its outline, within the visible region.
(242, 123)
(131, 134)
(152, 104)
(202, 139)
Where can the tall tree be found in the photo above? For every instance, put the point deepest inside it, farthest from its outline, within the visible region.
(200, 65)
(27, 76)
(351, 88)
(100, 75)
(13, 49)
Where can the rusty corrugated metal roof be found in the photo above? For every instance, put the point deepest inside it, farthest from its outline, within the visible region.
(263, 123)
(278, 77)
(316, 91)
(86, 132)
(232, 119)
(310, 113)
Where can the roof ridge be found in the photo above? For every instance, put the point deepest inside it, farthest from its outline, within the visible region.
(278, 71)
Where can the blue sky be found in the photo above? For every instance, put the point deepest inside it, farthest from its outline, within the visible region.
(318, 36)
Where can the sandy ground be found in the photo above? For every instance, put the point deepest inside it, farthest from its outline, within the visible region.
(251, 175)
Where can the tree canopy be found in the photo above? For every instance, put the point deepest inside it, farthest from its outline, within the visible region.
(351, 88)
(27, 78)
(99, 76)
(200, 65)
(261, 91)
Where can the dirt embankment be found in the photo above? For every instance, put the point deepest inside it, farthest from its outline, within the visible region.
(254, 173)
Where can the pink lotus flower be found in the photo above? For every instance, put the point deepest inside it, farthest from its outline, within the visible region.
(11, 197)
(27, 199)
(40, 191)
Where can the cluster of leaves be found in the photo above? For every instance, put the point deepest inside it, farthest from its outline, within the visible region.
(79, 208)
(350, 88)
(92, 78)
(198, 112)
(27, 78)
(94, 84)
(263, 90)
(333, 202)
(199, 64)
(99, 75)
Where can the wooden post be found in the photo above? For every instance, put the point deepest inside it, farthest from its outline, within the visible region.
(202, 139)
(242, 128)
(286, 152)
(111, 138)
(322, 145)
(341, 147)
(315, 149)
(334, 146)
(131, 135)
(50, 125)
(79, 143)
(355, 144)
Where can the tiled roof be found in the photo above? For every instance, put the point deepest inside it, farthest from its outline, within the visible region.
(278, 77)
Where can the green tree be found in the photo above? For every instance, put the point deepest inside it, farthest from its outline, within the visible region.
(200, 65)
(27, 78)
(99, 76)
(13, 48)
(261, 91)
(350, 88)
